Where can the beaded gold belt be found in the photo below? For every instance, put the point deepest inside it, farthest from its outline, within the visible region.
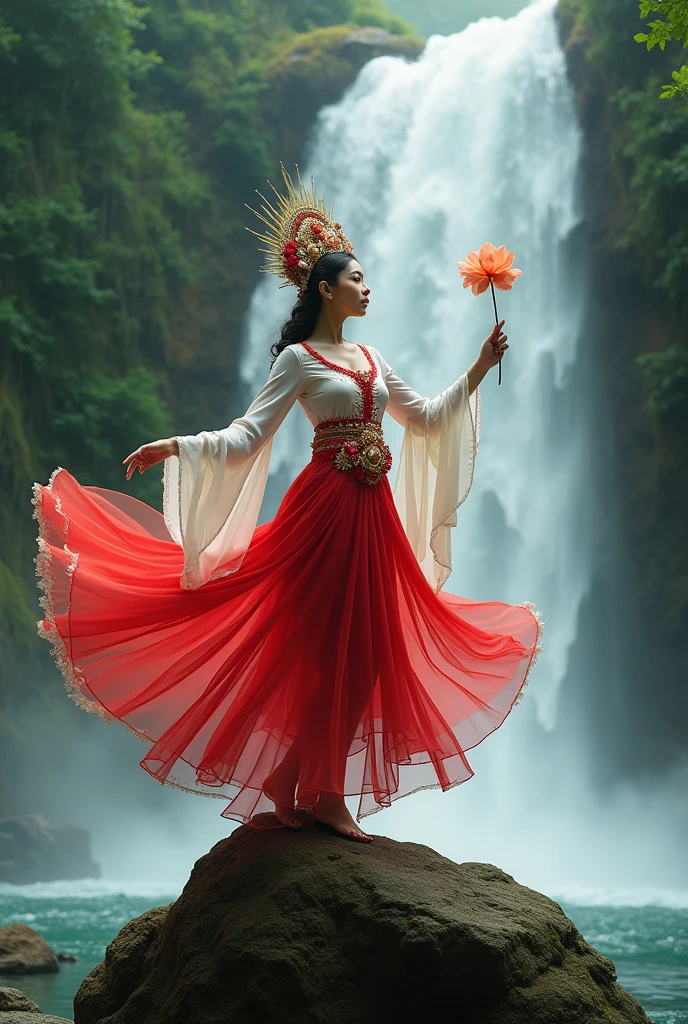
(355, 445)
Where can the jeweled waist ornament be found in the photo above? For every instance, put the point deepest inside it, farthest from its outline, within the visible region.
(355, 447)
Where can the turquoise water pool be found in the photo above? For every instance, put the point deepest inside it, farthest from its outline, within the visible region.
(648, 943)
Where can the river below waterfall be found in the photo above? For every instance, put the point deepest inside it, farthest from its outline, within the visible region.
(648, 943)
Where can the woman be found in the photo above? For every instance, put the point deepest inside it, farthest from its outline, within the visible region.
(312, 657)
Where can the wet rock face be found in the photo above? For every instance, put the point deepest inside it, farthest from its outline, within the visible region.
(106, 989)
(24, 951)
(284, 927)
(32, 850)
(315, 70)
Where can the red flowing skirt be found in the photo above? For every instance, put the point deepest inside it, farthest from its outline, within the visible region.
(327, 656)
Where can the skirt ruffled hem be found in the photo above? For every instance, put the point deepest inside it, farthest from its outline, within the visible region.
(327, 658)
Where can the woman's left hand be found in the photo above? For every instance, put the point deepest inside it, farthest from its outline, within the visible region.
(150, 455)
(494, 346)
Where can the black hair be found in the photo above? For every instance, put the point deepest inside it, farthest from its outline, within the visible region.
(301, 323)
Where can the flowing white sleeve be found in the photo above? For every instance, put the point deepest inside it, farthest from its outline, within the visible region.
(213, 491)
(436, 465)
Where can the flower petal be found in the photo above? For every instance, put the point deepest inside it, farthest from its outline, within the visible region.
(471, 265)
(472, 279)
(505, 280)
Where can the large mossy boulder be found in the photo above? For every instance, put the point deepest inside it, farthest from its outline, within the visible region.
(314, 70)
(308, 927)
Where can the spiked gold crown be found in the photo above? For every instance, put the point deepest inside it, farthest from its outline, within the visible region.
(299, 231)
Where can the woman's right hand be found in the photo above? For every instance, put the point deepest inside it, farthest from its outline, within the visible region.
(494, 346)
(150, 454)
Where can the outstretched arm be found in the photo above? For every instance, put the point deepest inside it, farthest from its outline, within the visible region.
(437, 457)
(244, 436)
(406, 406)
(214, 481)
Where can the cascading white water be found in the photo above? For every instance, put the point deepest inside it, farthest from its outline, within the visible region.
(475, 141)
(478, 141)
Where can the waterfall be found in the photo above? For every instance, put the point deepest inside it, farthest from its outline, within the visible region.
(478, 141)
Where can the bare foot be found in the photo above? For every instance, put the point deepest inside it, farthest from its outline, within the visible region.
(336, 814)
(284, 811)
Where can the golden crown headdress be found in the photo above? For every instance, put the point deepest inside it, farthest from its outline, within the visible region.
(299, 231)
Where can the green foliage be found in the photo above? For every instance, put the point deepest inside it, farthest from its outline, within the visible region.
(93, 190)
(637, 165)
(376, 13)
(17, 623)
(44, 242)
(679, 86)
(7, 40)
(101, 419)
(656, 147)
(648, 146)
(666, 379)
(309, 14)
(672, 26)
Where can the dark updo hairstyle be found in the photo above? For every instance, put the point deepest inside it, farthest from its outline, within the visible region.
(301, 323)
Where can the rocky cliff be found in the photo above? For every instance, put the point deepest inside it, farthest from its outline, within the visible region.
(633, 202)
(32, 850)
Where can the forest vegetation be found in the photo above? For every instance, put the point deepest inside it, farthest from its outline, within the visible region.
(638, 154)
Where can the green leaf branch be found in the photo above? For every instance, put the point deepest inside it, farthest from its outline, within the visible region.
(671, 27)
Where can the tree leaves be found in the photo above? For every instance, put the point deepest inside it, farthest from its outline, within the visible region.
(672, 27)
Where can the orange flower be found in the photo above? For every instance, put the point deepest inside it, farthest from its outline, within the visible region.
(489, 264)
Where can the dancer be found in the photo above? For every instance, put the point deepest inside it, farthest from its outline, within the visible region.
(289, 665)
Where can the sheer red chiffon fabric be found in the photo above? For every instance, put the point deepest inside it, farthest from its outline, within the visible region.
(327, 645)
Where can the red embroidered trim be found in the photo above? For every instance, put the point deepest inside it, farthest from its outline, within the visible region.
(364, 378)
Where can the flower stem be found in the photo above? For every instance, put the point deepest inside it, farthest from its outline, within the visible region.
(494, 303)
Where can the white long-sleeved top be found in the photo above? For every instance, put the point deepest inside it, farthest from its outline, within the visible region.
(214, 489)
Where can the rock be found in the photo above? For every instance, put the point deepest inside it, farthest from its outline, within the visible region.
(109, 985)
(32, 850)
(15, 999)
(310, 927)
(370, 38)
(24, 951)
(17, 1008)
(17, 1017)
(68, 958)
(314, 70)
